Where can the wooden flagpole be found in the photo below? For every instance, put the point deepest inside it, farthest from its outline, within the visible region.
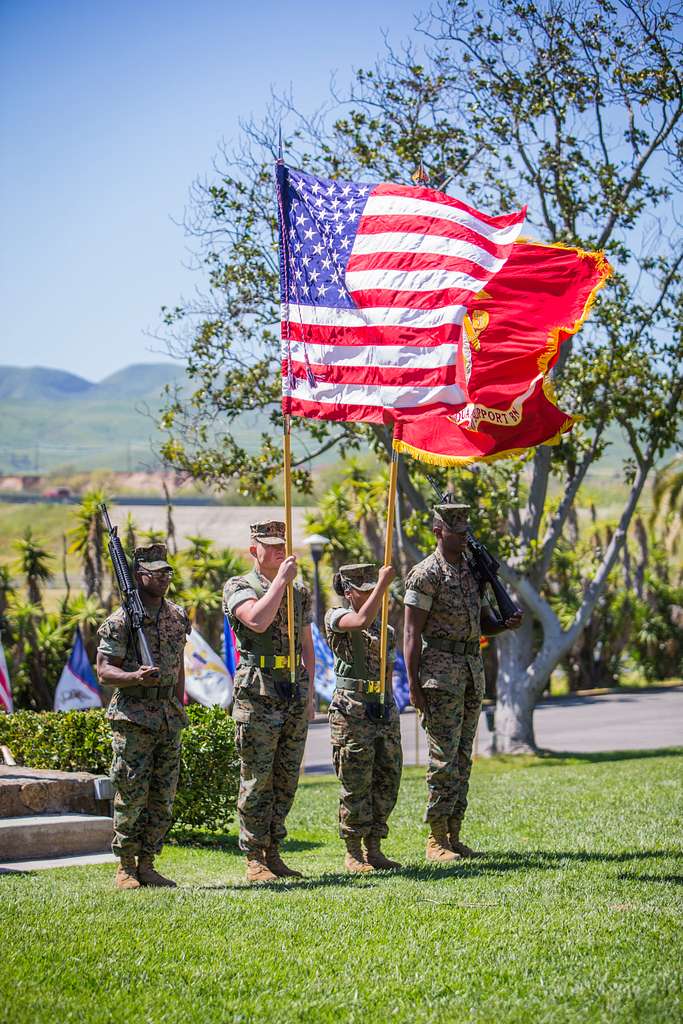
(388, 553)
(287, 468)
(289, 547)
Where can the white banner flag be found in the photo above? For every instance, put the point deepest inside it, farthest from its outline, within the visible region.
(77, 688)
(207, 680)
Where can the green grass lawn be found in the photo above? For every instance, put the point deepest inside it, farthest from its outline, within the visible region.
(575, 915)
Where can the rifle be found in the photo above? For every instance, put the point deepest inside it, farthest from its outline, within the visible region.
(130, 598)
(485, 567)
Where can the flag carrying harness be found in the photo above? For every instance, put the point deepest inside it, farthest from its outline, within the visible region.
(257, 649)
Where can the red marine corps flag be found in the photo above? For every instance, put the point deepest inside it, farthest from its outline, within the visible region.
(512, 338)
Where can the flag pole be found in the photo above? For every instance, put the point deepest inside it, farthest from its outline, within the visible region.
(388, 552)
(287, 436)
(287, 469)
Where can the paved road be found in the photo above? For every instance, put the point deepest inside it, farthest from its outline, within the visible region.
(628, 721)
(227, 525)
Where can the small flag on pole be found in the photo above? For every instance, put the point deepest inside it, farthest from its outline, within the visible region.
(231, 656)
(77, 688)
(207, 680)
(324, 665)
(399, 682)
(6, 703)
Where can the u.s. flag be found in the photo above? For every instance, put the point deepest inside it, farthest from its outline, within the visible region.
(375, 281)
(6, 703)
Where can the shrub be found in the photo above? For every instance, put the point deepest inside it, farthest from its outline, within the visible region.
(209, 771)
(70, 741)
(81, 741)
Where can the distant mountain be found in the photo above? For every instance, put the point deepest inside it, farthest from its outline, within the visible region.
(141, 380)
(51, 419)
(25, 383)
(38, 383)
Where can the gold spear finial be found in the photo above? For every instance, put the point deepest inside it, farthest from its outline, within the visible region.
(420, 177)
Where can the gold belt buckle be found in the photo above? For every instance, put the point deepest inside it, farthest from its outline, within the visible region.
(373, 686)
(281, 661)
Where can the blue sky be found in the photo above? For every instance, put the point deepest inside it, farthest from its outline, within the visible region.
(108, 112)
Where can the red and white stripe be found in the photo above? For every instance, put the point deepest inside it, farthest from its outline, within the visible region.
(418, 258)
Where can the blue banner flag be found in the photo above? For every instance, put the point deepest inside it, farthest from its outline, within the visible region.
(324, 665)
(399, 682)
(229, 653)
(77, 687)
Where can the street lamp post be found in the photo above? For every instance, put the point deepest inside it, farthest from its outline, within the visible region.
(316, 543)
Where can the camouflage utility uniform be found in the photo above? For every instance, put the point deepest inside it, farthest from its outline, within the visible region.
(146, 722)
(271, 722)
(451, 677)
(366, 752)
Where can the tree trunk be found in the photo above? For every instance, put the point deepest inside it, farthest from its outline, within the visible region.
(514, 718)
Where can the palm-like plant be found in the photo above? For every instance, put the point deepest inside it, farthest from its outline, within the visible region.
(87, 539)
(87, 613)
(27, 663)
(334, 519)
(153, 536)
(6, 589)
(33, 564)
(198, 558)
(224, 564)
(53, 639)
(129, 535)
(667, 497)
(207, 571)
(200, 602)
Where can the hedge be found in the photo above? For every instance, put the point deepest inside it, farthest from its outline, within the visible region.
(81, 741)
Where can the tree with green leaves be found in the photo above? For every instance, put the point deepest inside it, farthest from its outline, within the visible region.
(574, 107)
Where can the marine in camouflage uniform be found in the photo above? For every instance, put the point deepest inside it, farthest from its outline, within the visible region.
(147, 719)
(451, 673)
(271, 718)
(366, 745)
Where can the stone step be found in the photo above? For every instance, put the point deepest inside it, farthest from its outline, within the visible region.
(41, 836)
(44, 791)
(76, 860)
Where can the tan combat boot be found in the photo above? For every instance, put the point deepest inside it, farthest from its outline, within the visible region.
(127, 873)
(376, 858)
(277, 865)
(257, 868)
(438, 848)
(454, 825)
(353, 861)
(149, 876)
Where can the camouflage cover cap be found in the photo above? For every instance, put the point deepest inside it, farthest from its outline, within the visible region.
(362, 576)
(151, 557)
(454, 516)
(268, 531)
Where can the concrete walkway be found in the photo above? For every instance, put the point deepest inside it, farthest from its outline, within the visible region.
(616, 721)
